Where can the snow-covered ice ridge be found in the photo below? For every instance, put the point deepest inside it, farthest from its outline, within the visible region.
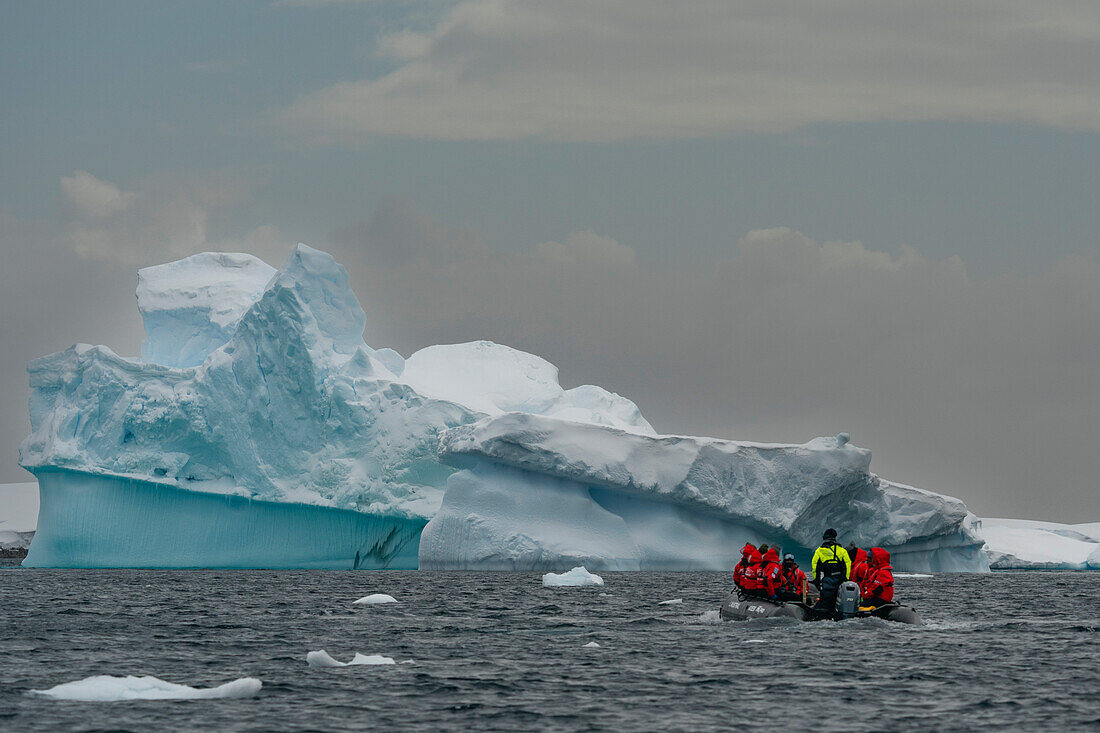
(258, 412)
(1023, 544)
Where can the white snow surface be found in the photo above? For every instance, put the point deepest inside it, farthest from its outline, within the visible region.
(105, 688)
(578, 576)
(375, 599)
(257, 382)
(192, 306)
(321, 658)
(1022, 544)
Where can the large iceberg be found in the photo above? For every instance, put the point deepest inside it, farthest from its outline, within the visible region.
(258, 429)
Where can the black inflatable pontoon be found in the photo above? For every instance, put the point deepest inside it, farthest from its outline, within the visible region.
(737, 608)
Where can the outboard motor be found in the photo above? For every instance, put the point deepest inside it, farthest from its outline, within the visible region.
(847, 599)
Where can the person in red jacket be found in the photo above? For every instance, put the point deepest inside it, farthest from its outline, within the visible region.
(794, 580)
(752, 579)
(739, 568)
(772, 573)
(859, 564)
(878, 581)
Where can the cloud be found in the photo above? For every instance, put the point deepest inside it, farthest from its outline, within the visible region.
(982, 388)
(162, 219)
(94, 198)
(646, 69)
(396, 233)
(586, 248)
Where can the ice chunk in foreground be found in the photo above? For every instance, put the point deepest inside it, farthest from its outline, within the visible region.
(105, 688)
(671, 602)
(375, 599)
(591, 645)
(322, 659)
(1021, 544)
(575, 577)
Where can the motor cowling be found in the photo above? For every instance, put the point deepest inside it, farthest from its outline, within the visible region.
(847, 599)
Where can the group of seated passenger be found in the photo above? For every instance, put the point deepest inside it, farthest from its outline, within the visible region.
(760, 573)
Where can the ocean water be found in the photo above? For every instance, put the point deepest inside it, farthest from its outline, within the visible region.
(497, 651)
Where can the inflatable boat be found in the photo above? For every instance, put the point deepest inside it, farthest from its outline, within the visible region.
(737, 608)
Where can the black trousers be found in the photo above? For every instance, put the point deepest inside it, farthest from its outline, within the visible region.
(830, 584)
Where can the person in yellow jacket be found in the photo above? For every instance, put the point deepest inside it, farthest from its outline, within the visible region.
(831, 566)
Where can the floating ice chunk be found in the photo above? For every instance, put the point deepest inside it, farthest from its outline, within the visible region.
(370, 659)
(671, 602)
(105, 688)
(374, 599)
(913, 575)
(755, 641)
(576, 576)
(591, 645)
(321, 658)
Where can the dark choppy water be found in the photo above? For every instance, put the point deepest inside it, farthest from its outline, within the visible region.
(497, 651)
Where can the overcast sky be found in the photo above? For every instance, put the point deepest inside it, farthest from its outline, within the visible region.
(765, 221)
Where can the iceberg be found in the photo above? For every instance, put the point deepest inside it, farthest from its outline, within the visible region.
(618, 500)
(1022, 544)
(258, 429)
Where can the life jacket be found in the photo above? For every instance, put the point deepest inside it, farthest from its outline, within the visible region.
(859, 565)
(829, 562)
(878, 582)
(739, 568)
(772, 573)
(793, 578)
(752, 579)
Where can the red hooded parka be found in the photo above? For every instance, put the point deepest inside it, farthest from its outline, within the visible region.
(772, 573)
(739, 568)
(859, 565)
(878, 582)
(753, 579)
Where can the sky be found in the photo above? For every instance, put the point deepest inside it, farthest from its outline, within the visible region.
(765, 221)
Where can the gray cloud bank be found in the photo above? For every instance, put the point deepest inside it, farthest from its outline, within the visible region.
(582, 71)
(985, 389)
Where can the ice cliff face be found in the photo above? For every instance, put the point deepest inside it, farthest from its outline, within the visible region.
(672, 502)
(256, 383)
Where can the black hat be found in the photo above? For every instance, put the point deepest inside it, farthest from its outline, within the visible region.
(830, 534)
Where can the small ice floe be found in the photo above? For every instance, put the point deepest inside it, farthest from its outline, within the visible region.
(105, 688)
(913, 575)
(321, 658)
(591, 645)
(605, 595)
(576, 576)
(755, 641)
(374, 599)
(671, 602)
